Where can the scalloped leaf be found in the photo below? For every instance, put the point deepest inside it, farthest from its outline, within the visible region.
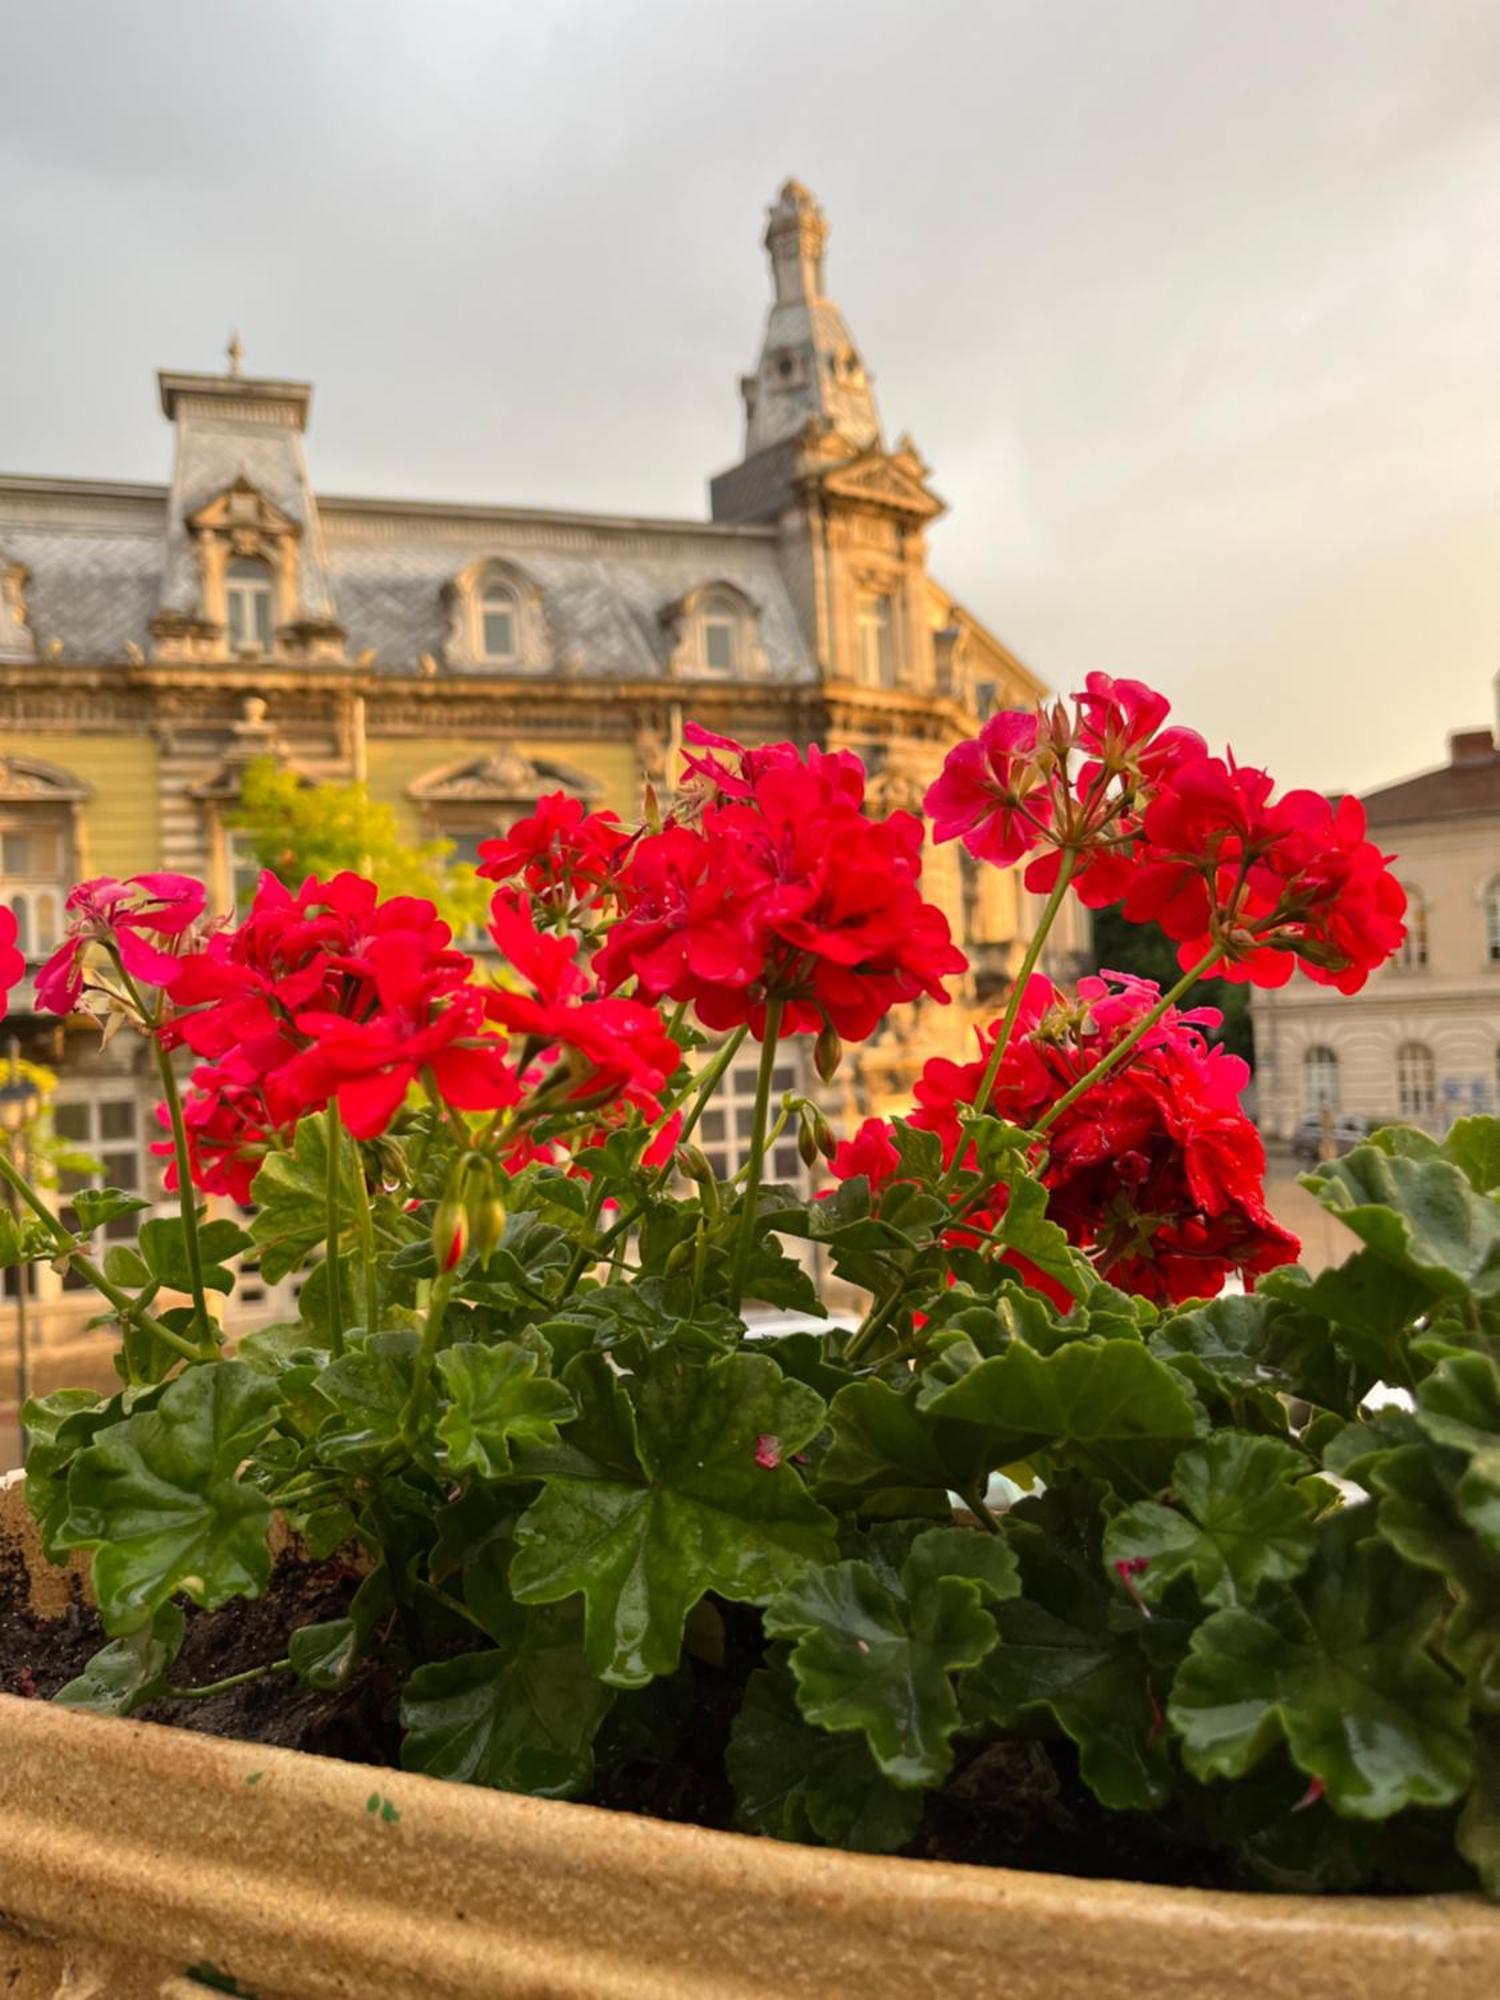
(880, 1659)
(1241, 1521)
(496, 1398)
(1338, 1669)
(654, 1496)
(160, 1500)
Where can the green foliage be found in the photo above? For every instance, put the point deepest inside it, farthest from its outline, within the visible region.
(605, 1527)
(297, 830)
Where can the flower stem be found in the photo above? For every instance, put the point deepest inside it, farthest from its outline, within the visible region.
(332, 1227)
(746, 1243)
(1122, 1049)
(366, 1224)
(124, 1305)
(187, 1198)
(1013, 1002)
(432, 1337)
(230, 1681)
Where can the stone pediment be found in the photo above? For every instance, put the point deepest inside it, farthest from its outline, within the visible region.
(500, 777)
(894, 481)
(33, 781)
(245, 515)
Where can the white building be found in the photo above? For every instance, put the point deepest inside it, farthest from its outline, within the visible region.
(1421, 1042)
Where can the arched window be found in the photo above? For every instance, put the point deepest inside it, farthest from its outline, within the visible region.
(1492, 922)
(877, 652)
(499, 621)
(248, 605)
(1320, 1080)
(31, 887)
(1416, 1081)
(1413, 953)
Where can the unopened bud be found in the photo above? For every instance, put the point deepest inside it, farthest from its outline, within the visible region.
(680, 1255)
(824, 1133)
(450, 1233)
(488, 1219)
(828, 1052)
(693, 1163)
(807, 1145)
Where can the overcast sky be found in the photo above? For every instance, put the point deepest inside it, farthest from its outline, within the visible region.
(1192, 305)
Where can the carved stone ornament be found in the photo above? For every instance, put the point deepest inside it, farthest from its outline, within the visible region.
(17, 640)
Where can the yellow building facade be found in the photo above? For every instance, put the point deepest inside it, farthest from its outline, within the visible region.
(461, 660)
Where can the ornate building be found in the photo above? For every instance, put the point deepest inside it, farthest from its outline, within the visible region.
(1421, 1042)
(460, 660)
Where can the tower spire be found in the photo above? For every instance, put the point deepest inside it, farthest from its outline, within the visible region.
(236, 355)
(809, 367)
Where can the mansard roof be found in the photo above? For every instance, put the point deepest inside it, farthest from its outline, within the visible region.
(98, 550)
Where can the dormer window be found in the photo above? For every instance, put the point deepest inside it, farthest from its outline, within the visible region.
(719, 623)
(714, 631)
(248, 599)
(498, 622)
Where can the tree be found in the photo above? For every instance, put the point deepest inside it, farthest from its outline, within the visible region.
(297, 830)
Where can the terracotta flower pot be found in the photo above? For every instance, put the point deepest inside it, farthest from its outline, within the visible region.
(139, 1861)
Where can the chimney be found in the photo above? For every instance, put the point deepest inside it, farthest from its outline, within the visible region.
(1470, 746)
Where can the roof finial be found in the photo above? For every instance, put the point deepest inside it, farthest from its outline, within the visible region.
(236, 354)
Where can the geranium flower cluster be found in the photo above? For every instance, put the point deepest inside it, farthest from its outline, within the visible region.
(1155, 1172)
(1198, 844)
(772, 890)
(142, 925)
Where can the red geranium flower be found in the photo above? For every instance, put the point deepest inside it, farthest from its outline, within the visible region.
(12, 964)
(121, 915)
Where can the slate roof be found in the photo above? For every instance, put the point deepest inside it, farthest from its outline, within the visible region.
(99, 554)
(1467, 785)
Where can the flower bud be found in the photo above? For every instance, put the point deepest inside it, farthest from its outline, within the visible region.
(824, 1133)
(828, 1052)
(450, 1233)
(488, 1220)
(807, 1144)
(693, 1163)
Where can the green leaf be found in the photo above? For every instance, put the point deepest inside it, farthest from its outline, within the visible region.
(880, 1659)
(126, 1266)
(1473, 1145)
(163, 1244)
(1070, 1648)
(795, 1782)
(1420, 1516)
(1109, 1401)
(521, 1717)
(1370, 1309)
(368, 1389)
(128, 1671)
(889, 1459)
(291, 1197)
(160, 1500)
(1420, 1216)
(1338, 1669)
(496, 1396)
(96, 1206)
(650, 1501)
(1459, 1406)
(1024, 1228)
(1242, 1521)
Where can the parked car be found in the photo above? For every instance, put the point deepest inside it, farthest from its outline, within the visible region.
(1318, 1138)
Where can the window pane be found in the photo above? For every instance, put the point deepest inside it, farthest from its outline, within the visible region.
(117, 1119)
(718, 645)
(263, 618)
(21, 910)
(499, 631)
(711, 1128)
(71, 1121)
(15, 853)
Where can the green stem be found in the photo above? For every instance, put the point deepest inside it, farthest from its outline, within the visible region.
(187, 1200)
(978, 1506)
(366, 1223)
(432, 1336)
(769, 1049)
(230, 1681)
(333, 1225)
(123, 1303)
(703, 1090)
(1013, 1001)
(1122, 1049)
